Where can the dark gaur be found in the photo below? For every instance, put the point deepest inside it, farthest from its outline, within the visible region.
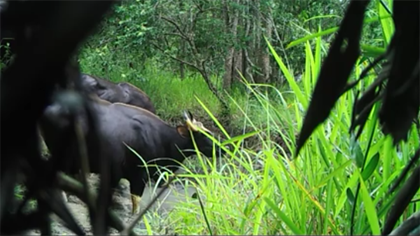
(117, 92)
(121, 124)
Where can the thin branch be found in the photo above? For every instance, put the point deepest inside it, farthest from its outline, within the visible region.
(174, 34)
(185, 36)
(176, 26)
(176, 58)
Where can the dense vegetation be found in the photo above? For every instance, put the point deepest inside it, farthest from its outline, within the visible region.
(247, 69)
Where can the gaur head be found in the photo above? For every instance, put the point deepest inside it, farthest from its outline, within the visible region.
(204, 143)
(135, 96)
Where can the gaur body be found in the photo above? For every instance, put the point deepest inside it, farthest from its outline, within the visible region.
(148, 135)
(117, 92)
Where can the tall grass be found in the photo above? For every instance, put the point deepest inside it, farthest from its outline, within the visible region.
(264, 192)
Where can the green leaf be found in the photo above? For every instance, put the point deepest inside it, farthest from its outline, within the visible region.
(240, 137)
(371, 166)
(371, 51)
(370, 209)
(311, 36)
(284, 218)
(358, 155)
(387, 24)
(350, 196)
(289, 77)
(332, 30)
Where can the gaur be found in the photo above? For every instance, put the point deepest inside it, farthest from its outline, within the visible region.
(121, 124)
(117, 92)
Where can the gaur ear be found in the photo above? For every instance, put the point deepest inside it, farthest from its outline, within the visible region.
(183, 131)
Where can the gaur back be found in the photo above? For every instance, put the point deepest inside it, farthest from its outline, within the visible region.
(117, 92)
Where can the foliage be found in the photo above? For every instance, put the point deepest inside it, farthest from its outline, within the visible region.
(258, 189)
(400, 74)
(140, 31)
(263, 192)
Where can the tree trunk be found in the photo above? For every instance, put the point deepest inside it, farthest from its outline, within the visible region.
(257, 52)
(238, 67)
(227, 77)
(265, 56)
(244, 65)
(229, 60)
(182, 65)
(182, 53)
(265, 28)
(248, 65)
(237, 55)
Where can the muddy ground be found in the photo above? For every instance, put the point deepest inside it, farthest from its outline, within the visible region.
(173, 195)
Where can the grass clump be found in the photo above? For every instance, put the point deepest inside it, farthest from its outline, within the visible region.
(261, 191)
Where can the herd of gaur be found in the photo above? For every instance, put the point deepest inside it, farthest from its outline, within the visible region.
(126, 117)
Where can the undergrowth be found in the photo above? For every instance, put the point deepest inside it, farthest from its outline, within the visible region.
(264, 192)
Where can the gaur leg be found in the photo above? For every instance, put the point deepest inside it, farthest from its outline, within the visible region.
(137, 179)
(115, 177)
